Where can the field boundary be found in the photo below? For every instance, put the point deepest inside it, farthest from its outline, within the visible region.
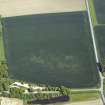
(2, 53)
(93, 13)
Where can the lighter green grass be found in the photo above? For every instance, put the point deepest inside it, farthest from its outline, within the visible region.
(104, 86)
(84, 96)
(100, 24)
(81, 96)
(93, 13)
(2, 55)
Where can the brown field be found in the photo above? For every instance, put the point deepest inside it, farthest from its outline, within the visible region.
(10, 8)
(10, 101)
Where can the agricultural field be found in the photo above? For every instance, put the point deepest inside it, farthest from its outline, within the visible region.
(53, 49)
(100, 38)
(100, 10)
(99, 17)
(29, 7)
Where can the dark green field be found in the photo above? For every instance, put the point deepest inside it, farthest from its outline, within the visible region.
(100, 37)
(53, 49)
(100, 10)
(100, 29)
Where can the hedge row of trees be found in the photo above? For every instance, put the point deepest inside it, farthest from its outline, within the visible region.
(3, 70)
(19, 93)
(4, 80)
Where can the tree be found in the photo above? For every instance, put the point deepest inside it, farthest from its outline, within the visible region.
(65, 91)
(3, 70)
(16, 92)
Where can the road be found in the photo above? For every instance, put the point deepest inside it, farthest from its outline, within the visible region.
(96, 52)
(84, 90)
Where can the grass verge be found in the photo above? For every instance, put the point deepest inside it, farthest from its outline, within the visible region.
(84, 96)
(2, 55)
(81, 96)
(93, 13)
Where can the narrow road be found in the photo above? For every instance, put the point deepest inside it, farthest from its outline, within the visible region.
(95, 51)
(83, 90)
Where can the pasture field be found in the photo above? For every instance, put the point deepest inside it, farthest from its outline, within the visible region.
(100, 10)
(90, 102)
(83, 98)
(54, 49)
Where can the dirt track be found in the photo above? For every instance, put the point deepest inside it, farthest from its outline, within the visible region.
(26, 7)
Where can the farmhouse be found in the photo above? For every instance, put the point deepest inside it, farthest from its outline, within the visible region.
(24, 85)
